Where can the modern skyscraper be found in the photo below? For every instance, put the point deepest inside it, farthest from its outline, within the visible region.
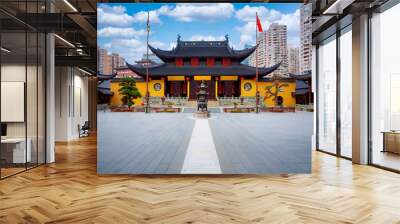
(117, 61)
(104, 62)
(305, 38)
(261, 60)
(100, 59)
(272, 49)
(293, 55)
(276, 48)
(107, 63)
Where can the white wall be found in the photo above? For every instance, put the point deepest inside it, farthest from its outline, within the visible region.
(33, 126)
(17, 73)
(314, 88)
(71, 102)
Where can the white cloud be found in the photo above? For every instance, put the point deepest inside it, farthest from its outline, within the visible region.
(209, 12)
(117, 16)
(206, 38)
(132, 49)
(171, 45)
(247, 34)
(157, 44)
(111, 18)
(247, 15)
(292, 21)
(117, 9)
(120, 32)
(141, 17)
(130, 44)
(245, 39)
(164, 9)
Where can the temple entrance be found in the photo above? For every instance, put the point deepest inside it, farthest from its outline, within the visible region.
(194, 88)
(228, 89)
(176, 89)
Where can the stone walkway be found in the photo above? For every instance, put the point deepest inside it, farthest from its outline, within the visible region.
(201, 155)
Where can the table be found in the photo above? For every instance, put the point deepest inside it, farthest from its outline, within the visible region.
(19, 155)
(391, 141)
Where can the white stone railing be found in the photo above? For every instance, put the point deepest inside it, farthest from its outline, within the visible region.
(309, 107)
(174, 101)
(229, 101)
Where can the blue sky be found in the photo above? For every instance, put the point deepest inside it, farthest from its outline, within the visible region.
(122, 26)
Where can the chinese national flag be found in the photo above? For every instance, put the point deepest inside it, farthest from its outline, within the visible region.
(259, 27)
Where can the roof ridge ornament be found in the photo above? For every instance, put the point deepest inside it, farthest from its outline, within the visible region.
(226, 37)
(179, 38)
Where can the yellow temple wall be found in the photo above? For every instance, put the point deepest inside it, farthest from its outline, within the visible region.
(288, 99)
(116, 98)
(248, 93)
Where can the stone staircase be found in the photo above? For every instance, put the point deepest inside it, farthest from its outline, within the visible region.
(213, 103)
(191, 103)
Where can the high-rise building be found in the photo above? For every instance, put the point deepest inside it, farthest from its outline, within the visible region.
(101, 53)
(305, 38)
(108, 63)
(272, 49)
(117, 61)
(293, 58)
(104, 62)
(260, 52)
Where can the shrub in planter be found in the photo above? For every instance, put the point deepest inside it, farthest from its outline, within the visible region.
(167, 110)
(238, 110)
(128, 91)
(169, 104)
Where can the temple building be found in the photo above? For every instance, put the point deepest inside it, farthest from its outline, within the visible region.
(216, 63)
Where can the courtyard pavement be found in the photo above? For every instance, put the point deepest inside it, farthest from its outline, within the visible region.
(228, 143)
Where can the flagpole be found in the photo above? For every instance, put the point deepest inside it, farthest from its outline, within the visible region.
(257, 92)
(147, 108)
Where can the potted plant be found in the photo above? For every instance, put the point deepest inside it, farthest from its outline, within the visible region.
(235, 104)
(162, 100)
(170, 104)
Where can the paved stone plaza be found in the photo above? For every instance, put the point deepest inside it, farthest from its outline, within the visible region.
(228, 143)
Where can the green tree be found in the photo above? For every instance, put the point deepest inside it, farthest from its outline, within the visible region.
(272, 91)
(128, 91)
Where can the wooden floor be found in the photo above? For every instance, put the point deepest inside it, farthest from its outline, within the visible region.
(70, 191)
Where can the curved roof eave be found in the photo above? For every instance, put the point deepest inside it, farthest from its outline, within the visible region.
(245, 52)
(160, 53)
(141, 70)
(239, 54)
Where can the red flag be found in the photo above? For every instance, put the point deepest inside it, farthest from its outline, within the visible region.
(259, 27)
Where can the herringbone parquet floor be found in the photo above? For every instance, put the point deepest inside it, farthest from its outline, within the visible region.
(70, 191)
